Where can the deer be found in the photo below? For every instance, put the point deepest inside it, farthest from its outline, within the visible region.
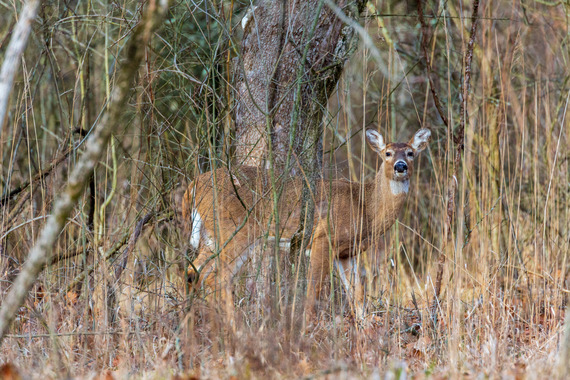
(231, 212)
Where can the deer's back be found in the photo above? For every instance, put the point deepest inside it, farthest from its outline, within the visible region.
(248, 193)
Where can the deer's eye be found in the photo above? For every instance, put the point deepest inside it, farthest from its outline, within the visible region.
(410, 154)
(388, 154)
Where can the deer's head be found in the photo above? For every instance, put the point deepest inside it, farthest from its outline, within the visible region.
(398, 157)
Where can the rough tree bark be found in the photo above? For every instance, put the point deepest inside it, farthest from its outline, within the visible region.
(293, 53)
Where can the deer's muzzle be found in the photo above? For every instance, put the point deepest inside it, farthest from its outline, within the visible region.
(401, 167)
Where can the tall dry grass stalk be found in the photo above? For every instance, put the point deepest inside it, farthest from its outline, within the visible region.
(505, 283)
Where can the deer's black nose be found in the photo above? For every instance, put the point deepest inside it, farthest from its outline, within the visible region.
(401, 167)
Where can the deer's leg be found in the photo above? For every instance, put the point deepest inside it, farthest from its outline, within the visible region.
(351, 273)
(229, 263)
(318, 270)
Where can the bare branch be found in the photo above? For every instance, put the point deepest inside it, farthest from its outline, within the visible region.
(424, 44)
(14, 52)
(37, 177)
(132, 242)
(80, 175)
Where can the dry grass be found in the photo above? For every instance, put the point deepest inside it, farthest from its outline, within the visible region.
(506, 279)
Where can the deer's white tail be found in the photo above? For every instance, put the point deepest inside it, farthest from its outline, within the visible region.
(195, 218)
(196, 229)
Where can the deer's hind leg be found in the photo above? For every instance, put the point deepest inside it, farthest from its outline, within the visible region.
(215, 273)
(229, 265)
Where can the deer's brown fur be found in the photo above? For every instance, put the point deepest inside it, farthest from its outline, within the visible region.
(231, 212)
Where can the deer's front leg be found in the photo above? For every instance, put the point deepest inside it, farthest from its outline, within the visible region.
(318, 270)
(351, 272)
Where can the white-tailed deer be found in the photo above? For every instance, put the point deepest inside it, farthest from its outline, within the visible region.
(230, 213)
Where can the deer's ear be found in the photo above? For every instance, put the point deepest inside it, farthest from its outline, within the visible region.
(375, 140)
(420, 140)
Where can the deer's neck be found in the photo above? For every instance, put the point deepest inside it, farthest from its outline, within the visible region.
(387, 199)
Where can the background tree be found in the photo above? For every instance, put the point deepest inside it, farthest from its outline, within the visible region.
(292, 56)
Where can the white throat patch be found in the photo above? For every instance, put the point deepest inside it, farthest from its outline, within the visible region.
(399, 187)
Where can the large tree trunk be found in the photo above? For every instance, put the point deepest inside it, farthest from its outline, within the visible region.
(292, 57)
